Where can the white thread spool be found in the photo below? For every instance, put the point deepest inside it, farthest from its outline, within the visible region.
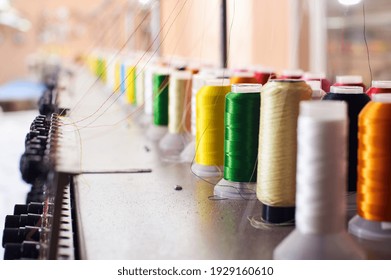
(381, 84)
(372, 230)
(317, 91)
(110, 77)
(292, 73)
(349, 79)
(148, 94)
(314, 76)
(139, 85)
(238, 190)
(179, 99)
(347, 89)
(321, 182)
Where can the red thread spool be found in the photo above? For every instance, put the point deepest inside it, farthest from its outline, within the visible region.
(379, 87)
(325, 84)
(263, 74)
(349, 81)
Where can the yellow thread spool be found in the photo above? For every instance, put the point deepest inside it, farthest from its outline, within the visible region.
(117, 77)
(130, 90)
(276, 186)
(210, 106)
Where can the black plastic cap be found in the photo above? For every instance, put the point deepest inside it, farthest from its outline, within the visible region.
(20, 209)
(12, 221)
(30, 233)
(278, 215)
(26, 250)
(13, 251)
(12, 235)
(16, 221)
(35, 208)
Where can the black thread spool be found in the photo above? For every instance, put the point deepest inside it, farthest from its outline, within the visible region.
(356, 99)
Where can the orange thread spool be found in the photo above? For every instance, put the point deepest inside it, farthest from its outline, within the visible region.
(243, 78)
(374, 162)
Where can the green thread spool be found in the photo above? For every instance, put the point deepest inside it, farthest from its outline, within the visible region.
(160, 82)
(160, 99)
(101, 69)
(241, 121)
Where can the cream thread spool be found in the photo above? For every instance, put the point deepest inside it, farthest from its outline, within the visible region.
(179, 116)
(139, 85)
(321, 182)
(276, 183)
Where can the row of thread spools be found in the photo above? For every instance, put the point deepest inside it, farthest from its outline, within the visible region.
(299, 157)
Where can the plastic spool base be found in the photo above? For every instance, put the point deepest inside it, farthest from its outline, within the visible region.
(337, 246)
(144, 120)
(156, 132)
(205, 171)
(188, 153)
(278, 215)
(235, 190)
(370, 230)
(172, 144)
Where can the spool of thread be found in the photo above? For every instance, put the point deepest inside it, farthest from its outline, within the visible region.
(243, 78)
(351, 80)
(277, 148)
(291, 74)
(111, 73)
(160, 81)
(117, 77)
(210, 106)
(130, 84)
(148, 90)
(264, 76)
(325, 84)
(379, 87)
(123, 78)
(317, 91)
(101, 69)
(139, 86)
(373, 221)
(179, 115)
(198, 81)
(241, 121)
(356, 100)
(321, 178)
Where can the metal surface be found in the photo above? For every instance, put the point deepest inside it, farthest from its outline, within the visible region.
(141, 215)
